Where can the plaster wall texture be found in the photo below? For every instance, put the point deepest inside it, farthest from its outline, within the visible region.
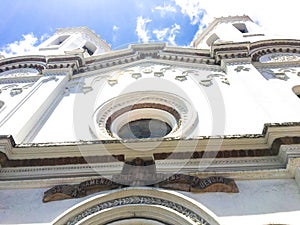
(242, 106)
(259, 202)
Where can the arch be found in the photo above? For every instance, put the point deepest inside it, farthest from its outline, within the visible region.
(162, 206)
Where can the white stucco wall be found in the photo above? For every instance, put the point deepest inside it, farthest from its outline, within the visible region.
(258, 202)
(241, 105)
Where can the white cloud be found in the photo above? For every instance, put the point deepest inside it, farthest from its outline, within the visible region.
(165, 9)
(115, 28)
(22, 47)
(141, 30)
(167, 34)
(161, 34)
(174, 30)
(191, 8)
(281, 18)
(44, 37)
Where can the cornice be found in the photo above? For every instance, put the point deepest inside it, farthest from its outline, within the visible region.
(267, 144)
(153, 51)
(234, 52)
(260, 48)
(251, 52)
(282, 166)
(34, 62)
(41, 63)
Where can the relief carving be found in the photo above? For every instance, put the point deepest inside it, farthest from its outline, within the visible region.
(241, 68)
(15, 89)
(136, 200)
(180, 75)
(142, 173)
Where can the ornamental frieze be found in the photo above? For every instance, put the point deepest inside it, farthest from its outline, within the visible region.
(203, 77)
(180, 182)
(139, 200)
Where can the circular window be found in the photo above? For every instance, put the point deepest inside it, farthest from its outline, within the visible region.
(146, 114)
(144, 128)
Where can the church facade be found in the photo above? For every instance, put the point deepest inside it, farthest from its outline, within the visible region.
(152, 134)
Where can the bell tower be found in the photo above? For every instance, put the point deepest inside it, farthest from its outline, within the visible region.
(80, 39)
(227, 30)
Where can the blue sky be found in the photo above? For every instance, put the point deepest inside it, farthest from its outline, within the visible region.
(25, 23)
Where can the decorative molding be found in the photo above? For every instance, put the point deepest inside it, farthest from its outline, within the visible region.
(18, 90)
(139, 173)
(149, 52)
(16, 73)
(261, 152)
(23, 75)
(279, 57)
(108, 123)
(261, 49)
(206, 80)
(181, 78)
(150, 69)
(138, 200)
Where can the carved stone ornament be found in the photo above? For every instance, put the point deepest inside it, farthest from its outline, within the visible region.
(16, 89)
(85, 188)
(241, 68)
(204, 78)
(178, 182)
(139, 200)
(141, 173)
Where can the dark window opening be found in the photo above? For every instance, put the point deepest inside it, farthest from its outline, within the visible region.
(89, 51)
(89, 48)
(241, 27)
(144, 128)
(60, 40)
